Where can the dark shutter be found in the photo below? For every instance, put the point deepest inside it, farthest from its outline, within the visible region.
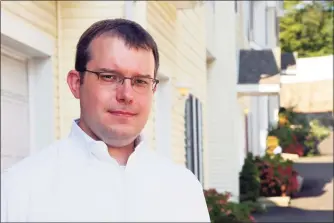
(200, 141)
(189, 134)
(194, 136)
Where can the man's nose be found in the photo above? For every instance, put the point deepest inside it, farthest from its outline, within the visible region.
(124, 92)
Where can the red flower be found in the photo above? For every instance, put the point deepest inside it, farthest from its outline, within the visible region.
(222, 201)
(228, 212)
(251, 218)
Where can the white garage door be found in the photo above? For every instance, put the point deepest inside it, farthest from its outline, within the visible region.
(14, 111)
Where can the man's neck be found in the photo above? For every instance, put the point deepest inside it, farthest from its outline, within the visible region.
(120, 154)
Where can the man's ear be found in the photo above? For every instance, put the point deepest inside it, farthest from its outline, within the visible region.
(73, 81)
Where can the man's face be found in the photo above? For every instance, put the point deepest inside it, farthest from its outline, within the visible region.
(115, 115)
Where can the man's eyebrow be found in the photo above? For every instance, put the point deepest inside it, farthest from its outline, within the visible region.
(107, 70)
(143, 75)
(116, 72)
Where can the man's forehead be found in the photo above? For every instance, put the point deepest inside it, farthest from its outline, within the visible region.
(104, 39)
(112, 52)
(111, 41)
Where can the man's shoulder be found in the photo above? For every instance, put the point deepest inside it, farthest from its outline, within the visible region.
(33, 164)
(171, 170)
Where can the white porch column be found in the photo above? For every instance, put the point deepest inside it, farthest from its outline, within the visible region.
(259, 124)
(263, 123)
(223, 154)
(254, 125)
(273, 109)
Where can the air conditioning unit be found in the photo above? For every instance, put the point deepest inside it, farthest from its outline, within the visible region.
(271, 4)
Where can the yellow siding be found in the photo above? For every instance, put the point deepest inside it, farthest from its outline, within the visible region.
(161, 25)
(181, 40)
(40, 15)
(75, 18)
(191, 61)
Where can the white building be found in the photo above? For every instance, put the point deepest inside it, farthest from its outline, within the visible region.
(259, 69)
(254, 31)
(198, 117)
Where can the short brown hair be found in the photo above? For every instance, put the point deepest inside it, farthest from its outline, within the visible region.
(133, 34)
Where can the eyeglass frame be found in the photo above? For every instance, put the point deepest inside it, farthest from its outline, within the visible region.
(123, 78)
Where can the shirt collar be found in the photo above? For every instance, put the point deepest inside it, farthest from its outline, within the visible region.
(97, 147)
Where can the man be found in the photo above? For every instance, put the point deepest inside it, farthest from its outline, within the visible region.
(103, 171)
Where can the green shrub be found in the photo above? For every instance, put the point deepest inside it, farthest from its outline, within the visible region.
(277, 176)
(319, 131)
(316, 134)
(255, 207)
(301, 133)
(249, 180)
(222, 210)
(284, 134)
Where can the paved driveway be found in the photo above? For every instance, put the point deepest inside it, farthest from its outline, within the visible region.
(315, 202)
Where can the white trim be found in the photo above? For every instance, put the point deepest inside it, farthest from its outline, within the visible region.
(289, 72)
(140, 13)
(13, 53)
(129, 9)
(163, 118)
(255, 46)
(28, 43)
(162, 76)
(258, 88)
(27, 39)
(300, 79)
(41, 105)
(271, 4)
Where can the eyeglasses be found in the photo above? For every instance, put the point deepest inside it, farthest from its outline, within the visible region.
(140, 84)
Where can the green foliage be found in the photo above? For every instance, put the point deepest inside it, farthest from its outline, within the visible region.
(300, 131)
(316, 134)
(249, 180)
(319, 131)
(293, 117)
(277, 176)
(284, 134)
(308, 29)
(255, 207)
(222, 210)
(274, 177)
(239, 211)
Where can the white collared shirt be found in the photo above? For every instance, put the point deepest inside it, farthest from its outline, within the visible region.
(76, 180)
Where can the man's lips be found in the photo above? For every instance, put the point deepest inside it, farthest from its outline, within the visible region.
(122, 113)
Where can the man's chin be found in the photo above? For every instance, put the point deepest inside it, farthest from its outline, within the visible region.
(121, 131)
(119, 140)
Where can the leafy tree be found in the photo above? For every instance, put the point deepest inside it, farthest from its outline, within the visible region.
(307, 28)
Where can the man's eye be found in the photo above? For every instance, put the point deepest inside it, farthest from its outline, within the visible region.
(141, 81)
(109, 77)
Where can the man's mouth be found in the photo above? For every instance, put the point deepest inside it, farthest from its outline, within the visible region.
(122, 113)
